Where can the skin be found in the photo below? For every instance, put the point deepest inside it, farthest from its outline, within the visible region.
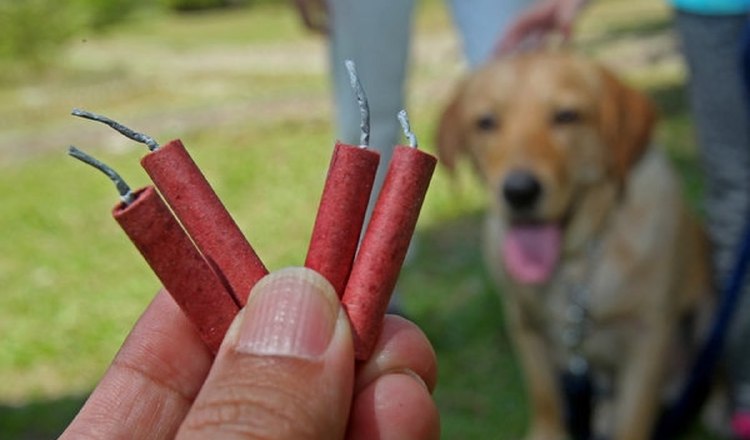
(314, 15)
(163, 383)
(539, 21)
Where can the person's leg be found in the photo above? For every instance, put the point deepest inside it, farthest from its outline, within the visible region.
(376, 36)
(481, 23)
(712, 47)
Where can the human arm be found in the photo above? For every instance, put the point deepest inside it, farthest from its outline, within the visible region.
(543, 18)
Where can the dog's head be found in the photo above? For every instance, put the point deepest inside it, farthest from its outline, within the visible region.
(544, 130)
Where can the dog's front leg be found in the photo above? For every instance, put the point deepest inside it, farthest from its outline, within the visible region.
(639, 386)
(541, 385)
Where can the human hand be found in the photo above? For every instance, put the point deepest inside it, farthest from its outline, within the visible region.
(541, 19)
(285, 370)
(314, 14)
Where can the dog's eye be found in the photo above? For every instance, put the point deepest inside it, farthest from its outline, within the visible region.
(487, 122)
(566, 116)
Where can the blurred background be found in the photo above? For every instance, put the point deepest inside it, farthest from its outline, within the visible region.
(246, 88)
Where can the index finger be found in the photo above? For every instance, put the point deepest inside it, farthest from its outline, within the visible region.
(314, 14)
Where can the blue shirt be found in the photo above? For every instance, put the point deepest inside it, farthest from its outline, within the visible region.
(713, 7)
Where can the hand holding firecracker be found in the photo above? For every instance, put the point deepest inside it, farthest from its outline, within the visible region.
(298, 330)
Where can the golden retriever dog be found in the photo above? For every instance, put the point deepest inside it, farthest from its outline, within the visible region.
(604, 272)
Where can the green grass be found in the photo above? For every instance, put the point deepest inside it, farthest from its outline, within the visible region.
(246, 91)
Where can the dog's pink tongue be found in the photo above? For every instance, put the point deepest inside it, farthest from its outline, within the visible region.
(531, 252)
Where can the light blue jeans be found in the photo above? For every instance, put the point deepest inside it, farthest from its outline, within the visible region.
(376, 35)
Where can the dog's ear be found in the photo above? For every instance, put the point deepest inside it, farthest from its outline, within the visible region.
(628, 118)
(451, 137)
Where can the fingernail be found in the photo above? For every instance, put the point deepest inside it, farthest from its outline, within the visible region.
(291, 312)
(417, 378)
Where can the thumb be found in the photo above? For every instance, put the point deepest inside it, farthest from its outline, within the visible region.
(285, 369)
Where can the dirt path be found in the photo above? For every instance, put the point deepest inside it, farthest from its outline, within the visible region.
(188, 91)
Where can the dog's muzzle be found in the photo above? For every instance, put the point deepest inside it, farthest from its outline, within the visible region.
(530, 246)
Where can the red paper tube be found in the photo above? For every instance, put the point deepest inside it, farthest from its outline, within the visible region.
(384, 245)
(205, 218)
(170, 253)
(341, 213)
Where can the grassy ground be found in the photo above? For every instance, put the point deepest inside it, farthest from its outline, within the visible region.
(248, 94)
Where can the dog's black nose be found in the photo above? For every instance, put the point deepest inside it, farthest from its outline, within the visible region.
(521, 189)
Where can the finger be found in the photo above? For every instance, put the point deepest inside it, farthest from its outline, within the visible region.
(392, 389)
(513, 39)
(402, 346)
(566, 18)
(152, 381)
(395, 406)
(314, 14)
(323, 24)
(538, 19)
(285, 369)
(568, 12)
